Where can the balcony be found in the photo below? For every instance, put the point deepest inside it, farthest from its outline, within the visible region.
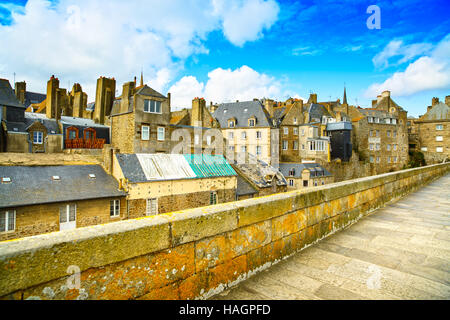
(80, 143)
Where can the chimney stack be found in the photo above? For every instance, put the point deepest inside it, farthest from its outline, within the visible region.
(197, 112)
(434, 101)
(447, 100)
(51, 105)
(104, 98)
(312, 98)
(20, 89)
(268, 104)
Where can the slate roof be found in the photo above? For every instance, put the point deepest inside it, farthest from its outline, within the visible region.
(315, 169)
(317, 111)
(156, 167)
(439, 112)
(257, 171)
(34, 185)
(7, 96)
(30, 118)
(33, 97)
(236, 110)
(244, 187)
(147, 91)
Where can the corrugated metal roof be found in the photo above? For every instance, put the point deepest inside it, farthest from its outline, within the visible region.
(153, 167)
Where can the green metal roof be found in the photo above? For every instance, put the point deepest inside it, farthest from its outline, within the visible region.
(209, 165)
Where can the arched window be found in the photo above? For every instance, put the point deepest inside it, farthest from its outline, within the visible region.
(89, 133)
(72, 133)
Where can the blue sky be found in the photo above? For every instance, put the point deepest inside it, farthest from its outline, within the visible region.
(235, 49)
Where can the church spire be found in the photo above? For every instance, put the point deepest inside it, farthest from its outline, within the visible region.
(345, 96)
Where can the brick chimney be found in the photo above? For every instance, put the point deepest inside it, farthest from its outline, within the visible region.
(20, 89)
(51, 105)
(197, 112)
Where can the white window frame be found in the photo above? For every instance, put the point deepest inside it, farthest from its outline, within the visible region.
(38, 137)
(66, 220)
(151, 206)
(439, 138)
(161, 131)
(371, 146)
(114, 208)
(231, 124)
(295, 145)
(285, 130)
(208, 140)
(285, 144)
(424, 149)
(439, 127)
(439, 149)
(6, 217)
(371, 158)
(196, 139)
(388, 147)
(149, 102)
(243, 148)
(145, 129)
(291, 182)
(243, 135)
(378, 146)
(295, 131)
(251, 122)
(258, 135)
(394, 121)
(258, 150)
(230, 135)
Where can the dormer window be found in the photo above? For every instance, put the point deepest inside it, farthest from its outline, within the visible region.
(369, 119)
(251, 122)
(292, 172)
(38, 137)
(92, 176)
(56, 178)
(6, 180)
(231, 123)
(152, 106)
(295, 120)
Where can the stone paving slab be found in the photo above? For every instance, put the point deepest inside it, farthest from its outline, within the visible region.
(401, 251)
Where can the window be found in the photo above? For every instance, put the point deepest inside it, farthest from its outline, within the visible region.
(7, 221)
(305, 183)
(370, 119)
(394, 121)
(67, 213)
(285, 130)
(439, 138)
(231, 123)
(388, 133)
(114, 208)
(161, 133)
(251, 122)
(243, 135)
(303, 147)
(145, 133)
(378, 133)
(285, 145)
(196, 139)
(371, 133)
(208, 140)
(291, 182)
(439, 127)
(424, 149)
(378, 159)
(38, 137)
(395, 147)
(395, 159)
(439, 149)
(388, 147)
(243, 148)
(151, 207)
(213, 198)
(371, 159)
(295, 120)
(370, 146)
(378, 146)
(230, 135)
(152, 106)
(388, 121)
(296, 131)
(377, 120)
(295, 145)
(231, 148)
(395, 133)
(292, 172)
(258, 150)
(258, 135)
(315, 184)
(389, 160)
(303, 132)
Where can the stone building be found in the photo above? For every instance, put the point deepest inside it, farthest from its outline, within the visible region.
(159, 183)
(248, 129)
(303, 175)
(433, 131)
(42, 199)
(313, 145)
(380, 133)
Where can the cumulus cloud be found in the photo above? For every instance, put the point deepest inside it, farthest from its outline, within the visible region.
(79, 40)
(428, 72)
(403, 53)
(226, 85)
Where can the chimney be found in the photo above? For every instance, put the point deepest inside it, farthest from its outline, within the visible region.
(434, 101)
(386, 93)
(268, 104)
(429, 108)
(51, 104)
(379, 98)
(312, 98)
(20, 89)
(374, 103)
(197, 112)
(212, 108)
(169, 98)
(104, 98)
(127, 92)
(447, 100)
(78, 100)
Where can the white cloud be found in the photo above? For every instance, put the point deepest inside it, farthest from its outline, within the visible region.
(403, 53)
(80, 40)
(426, 73)
(226, 85)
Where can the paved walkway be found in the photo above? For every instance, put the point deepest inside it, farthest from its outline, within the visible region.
(401, 251)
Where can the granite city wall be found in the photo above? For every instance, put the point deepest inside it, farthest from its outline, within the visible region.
(193, 253)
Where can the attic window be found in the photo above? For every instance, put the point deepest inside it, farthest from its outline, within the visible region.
(92, 176)
(16, 129)
(245, 110)
(6, 180)
(56, 178)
